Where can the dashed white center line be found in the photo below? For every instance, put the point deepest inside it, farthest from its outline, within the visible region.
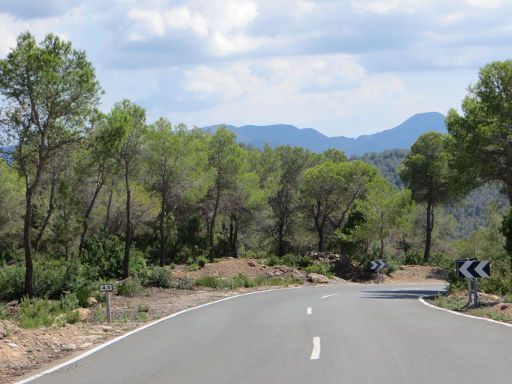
(309, 311)
(315, 355)
(332, 294)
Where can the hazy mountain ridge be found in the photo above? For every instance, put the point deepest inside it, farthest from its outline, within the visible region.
(401, 136)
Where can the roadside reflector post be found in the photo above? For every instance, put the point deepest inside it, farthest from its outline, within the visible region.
(107, 288)
(475, 294)
(470, 290)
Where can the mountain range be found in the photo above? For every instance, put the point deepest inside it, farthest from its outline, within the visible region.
(401, 136)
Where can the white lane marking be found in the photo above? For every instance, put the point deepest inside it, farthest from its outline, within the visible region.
(110, 342)
(422, 300)
(309, 310)
(332, 294)
(315, 354)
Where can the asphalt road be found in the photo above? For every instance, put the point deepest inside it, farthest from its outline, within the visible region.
(351, 334)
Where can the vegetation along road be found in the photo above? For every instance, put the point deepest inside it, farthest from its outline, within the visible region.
(304, 335)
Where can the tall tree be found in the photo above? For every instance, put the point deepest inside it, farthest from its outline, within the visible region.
(177, 170)
(129, 120)
(482, 145)
(49, 90)
(331, 189)
(225, 158)
(426, 172)
(384, 209)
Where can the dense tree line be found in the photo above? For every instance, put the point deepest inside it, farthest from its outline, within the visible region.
(107, 192)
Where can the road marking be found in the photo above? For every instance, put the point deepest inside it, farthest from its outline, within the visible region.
(315, 355)
(309, 310)
(332, 294)
(110, 342)
(422, 300)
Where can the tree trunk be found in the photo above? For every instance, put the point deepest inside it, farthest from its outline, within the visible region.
(212, 223)
(51, 207)
(381, 236)
(430, 226)
(109, 206)
(87, 216)
(128, 240)
(233, 235)
(29, 266)
(162, 226)
(280, 239)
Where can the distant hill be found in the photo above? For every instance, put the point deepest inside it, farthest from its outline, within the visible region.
(401, 136)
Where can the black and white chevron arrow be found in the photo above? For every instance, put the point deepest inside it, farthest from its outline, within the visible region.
(474, 268)
(377, 265)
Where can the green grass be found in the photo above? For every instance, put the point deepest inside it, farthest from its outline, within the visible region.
(242, 281)
(322, 269)
(38, 313)
(459, 302)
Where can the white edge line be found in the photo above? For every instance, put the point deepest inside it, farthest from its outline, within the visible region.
(315, 354)
(309, 310)
(110, 342)
(422, 300)
(332, 294)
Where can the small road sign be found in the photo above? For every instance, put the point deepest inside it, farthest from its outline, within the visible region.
(377, 265)
(473, 268)
(106, 287)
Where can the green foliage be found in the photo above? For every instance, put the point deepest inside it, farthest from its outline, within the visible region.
(129, 287)
(241, 281)
(321, 268)
(103, 258)
(290, 260)
(158, 277)
(37, 313)
(201, 261)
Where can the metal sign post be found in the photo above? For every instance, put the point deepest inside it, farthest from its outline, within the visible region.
(378, 266)
(107, 288)
(472, 269)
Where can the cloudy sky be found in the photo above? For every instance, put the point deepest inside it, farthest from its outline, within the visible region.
(345, 67)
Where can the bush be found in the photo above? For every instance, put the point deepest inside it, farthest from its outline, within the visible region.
(273, 260)
(12, 282)
(193, 267)
(103, 259)
(185, 283)
(242, 281)
(201, 261)
(320, 268)
(69, 301)
(158, 277)
(37, 313)
(129, 287)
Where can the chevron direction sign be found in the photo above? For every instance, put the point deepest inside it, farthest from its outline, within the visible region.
(377, 265)
(473, 268)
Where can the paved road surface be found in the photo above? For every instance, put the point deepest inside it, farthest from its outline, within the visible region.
(350, 334)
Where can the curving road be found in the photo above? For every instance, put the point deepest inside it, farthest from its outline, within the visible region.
(334, 334)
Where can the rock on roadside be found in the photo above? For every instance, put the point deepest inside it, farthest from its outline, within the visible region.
(317, 278)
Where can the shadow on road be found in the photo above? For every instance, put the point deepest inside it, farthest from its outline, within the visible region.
(401, 294)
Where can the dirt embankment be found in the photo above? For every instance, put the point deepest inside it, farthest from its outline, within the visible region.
(24, 351)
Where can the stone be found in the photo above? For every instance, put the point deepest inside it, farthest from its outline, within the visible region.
(12, 345)
(251, 263)
(69, 347)
(317, 278)
(91, 301)
(504, 307)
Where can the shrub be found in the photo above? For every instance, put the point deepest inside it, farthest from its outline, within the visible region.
(69, 301)
(273, 260)
(12, 282)
(320, 268)
(201, 261)
(305, 261)
(37, 313)
(193, 267)
(185, 283)
(129, 287)
(158, 277)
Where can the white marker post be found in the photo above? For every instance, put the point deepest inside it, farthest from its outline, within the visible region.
(107, 288)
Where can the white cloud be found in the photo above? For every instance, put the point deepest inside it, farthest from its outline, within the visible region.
(150, 23)
(305, 90)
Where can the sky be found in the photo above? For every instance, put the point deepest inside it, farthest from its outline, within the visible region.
(347, 67)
